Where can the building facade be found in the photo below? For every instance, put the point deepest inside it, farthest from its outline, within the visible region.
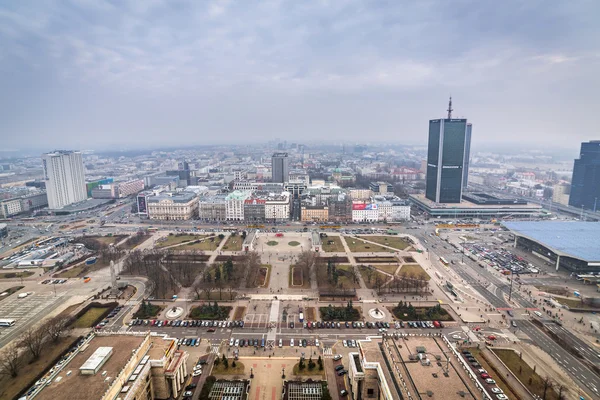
(254, 210)
(130, 187)
(277, 207)
(65, 178)
(381, 188)
(10, 207)
(365, 212)
(34, 201)
(315, 214)
(235, 205)
(280, 167)
(585, 185)
(172, 206)
(212, 209)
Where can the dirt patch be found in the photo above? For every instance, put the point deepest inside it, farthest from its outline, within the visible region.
(408, 260)
(225, 258)
(310, 313)
(262, 279)
(239, 313)
(332, 244)
(91, 317)
(376, 260)
(335, 259)
(297, 277)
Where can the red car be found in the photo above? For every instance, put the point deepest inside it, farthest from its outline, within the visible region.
(492, 337)
(484, 375)
(211, 330)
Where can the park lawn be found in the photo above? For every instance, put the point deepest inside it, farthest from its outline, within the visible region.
(10, 387)
(296, 280)
(239, 313)
(73, 272)
(129, 246)
(390, 269)
(511, 359)
(204, 245)
(221, 370)
(89, 318)
(306, 372)
(396, 242)
(372, 284)
(174, 239)
(414, 270)
(345, 279)
(358, 246)
(21, 274)
(336, 246)
(272, 243)
(234, 243)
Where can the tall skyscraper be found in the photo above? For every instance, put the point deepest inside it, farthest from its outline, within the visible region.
(65, 178)
(447, 158)
(585, 185)
(280, 167)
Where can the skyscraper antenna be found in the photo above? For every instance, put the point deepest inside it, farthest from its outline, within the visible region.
(450, 108)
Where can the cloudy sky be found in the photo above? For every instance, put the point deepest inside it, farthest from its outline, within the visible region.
(100, 73)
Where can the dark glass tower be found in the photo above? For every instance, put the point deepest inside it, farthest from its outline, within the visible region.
(447, 158)
(585, 185)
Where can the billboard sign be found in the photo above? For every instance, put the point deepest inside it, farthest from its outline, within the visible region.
(141, 203)
(364, 207)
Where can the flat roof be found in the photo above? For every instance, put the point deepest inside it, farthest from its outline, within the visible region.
(569, 238)
(464, 204)
(77, 386)
(96, 359)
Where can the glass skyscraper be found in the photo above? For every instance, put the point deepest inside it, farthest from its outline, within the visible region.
(585, 184)
(447, 159)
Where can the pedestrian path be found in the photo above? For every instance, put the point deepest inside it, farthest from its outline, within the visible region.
(214, 349)
(327, 352)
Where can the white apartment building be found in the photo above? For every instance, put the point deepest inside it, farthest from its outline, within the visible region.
(277, 207)
(10, 207)
(234, 203)
(173, 206)
(65, 178)
(365, 212)
(360, 194)
(392, 208)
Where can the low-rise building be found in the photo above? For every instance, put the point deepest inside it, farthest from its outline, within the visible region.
(235, 205)
(365, 212)
(381, 188)
(254, 209)
(10, 207)
(124, 366)
(130, 187)
(360, 194)
(34, 201)
(277, 207)
(212, 208)
(314, 214)
(173, 206)
(392, 208)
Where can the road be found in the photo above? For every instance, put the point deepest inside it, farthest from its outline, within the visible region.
(578, 371)
(588, 352)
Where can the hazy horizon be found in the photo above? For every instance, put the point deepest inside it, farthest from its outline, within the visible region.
(106, 74)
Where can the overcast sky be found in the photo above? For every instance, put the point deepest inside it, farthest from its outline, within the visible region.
(92, 74)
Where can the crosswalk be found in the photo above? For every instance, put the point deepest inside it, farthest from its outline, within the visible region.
(327, 352)
(215, 349)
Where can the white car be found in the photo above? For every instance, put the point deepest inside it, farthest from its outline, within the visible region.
(291, 342)
(197, 373)
(231, 342)
(337, 357)
(490, 381)
(502, 397)
(496, 390)
(237, 342)
(456, 337)
(344, 343)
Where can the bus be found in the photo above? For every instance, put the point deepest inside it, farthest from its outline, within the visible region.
(152, 229)
(7, 322)
(443, 261)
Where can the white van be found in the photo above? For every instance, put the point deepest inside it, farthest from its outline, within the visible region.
(291, 342)
(539, 314)
(317, 342)
(280, 342)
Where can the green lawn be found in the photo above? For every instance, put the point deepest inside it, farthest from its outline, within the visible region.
(414, 270)
(89, 318)
(272, 243)
(358, 246)
(221, 370)
(336, 245)
(204, 245)
(20, 274)
(390, 269)
(234, 243)
(396, 242)
(516, 364)
(293, 243)
(177, 239)
(72, 272)
(573, 303)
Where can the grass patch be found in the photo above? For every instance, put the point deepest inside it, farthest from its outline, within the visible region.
(10, 275)
(234, 243)
(134, 241)
(208, 244)
(332, 244)
(296, 278)
(414, 270)
(390, 269)
(574, 303)
(209, 311)
(10, 291)
(108, 240)
(239, 313)
(307, 372)
(524, 373)
(221, 370)
(177, 239)
(370, 276)
(344, 313)
(272, 243)
(72, 272)
(89, 318)
(310, 313)
(10, 388)
(345, 278)
(147, 311)
(396, 242)
(358, 246)
(293, 243)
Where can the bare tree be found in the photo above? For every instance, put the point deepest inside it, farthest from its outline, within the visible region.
(548, 383)
(10, 362)
(562, 390)
(33, 340)
(56, 327)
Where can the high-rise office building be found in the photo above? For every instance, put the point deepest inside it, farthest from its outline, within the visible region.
(447, 158)
(280, 167)
(467, 156)
(585, 185)
(65, 178)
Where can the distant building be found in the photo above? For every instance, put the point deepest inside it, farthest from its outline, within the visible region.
(381, 188)
(65, 178)
(365, 212)
(560, 193)
(360, 194)
(89, 186)
(340, 209)
(173, 206)
(127, 367)
(10, 207)
(254, 209)
(131, 187)
(212, 208)
(235, 205)
(446, 158)
(392, 208)
(315, 214)
(280, 167)
(3, 230)
(277, 207)
(585, 185)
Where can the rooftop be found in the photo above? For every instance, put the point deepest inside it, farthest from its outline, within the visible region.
(468, 205)
(303, 390)
(73, 385)
(180, 197)
(575, 239)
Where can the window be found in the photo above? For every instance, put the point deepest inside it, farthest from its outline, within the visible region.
(371, 392)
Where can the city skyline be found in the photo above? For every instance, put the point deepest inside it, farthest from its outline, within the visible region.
(96, 75)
